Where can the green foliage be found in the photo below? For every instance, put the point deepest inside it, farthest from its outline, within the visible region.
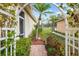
(60, 32)
(3, 52)
(55, 45)
(33, 34)
(6, 7)
(10, 39)
(72, 5)
(11, 33)
(39, 29)
(70, 12)
(76, 34)
(23, 46)
(53, 18)
(45, 32)
(42, 7)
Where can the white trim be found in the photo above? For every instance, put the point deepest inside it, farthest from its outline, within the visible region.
(64, 36)
(72, 38)
(3, 38)
(66, 27)
(12, 29)
(22, 17)
(69, 46)
(11, 49)
(23, 7)
(73, 43)
(2, 48)
(72, 29)
(6, 13)
(73, 46)
(59, 34)
(78, 43)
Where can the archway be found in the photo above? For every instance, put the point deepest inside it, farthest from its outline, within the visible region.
(70, 48)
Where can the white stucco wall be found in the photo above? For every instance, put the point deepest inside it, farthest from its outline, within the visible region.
(28, 25)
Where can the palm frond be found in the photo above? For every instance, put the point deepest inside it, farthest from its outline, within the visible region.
(48, 12)
(41, 7)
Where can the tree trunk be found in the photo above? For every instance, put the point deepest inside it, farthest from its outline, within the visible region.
(38, 24)
(53, 27)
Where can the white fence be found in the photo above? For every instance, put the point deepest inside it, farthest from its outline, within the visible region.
(72, 43)
(7, 46)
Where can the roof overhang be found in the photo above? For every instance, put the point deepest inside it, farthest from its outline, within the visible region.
(24, 6)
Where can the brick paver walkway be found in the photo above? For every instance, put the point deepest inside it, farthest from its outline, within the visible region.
(38, 49)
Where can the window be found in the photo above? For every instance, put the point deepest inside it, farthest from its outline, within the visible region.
(21, 23)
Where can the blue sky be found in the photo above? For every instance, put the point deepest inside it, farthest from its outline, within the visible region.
(53, 8)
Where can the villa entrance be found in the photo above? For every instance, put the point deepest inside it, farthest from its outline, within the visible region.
(9, 45)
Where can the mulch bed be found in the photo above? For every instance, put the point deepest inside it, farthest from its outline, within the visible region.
(38, 42)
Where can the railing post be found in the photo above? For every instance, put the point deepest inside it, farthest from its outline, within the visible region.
(66, 29)
(69, 43)
(16, 16)
(11, 50)
(66, 43)
(0, 41)
(73, 43)
(78, 42)
(6, 38)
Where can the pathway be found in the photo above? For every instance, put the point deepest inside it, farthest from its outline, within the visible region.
(38, 48)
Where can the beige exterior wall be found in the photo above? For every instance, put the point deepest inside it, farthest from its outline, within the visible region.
(28, 25)
(61, 26)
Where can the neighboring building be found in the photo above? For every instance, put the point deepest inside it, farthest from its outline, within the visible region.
(60, 26)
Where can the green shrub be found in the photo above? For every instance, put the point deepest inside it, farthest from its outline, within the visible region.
(33, 34)
(23, 47)
(55, 45)
(76, 34)
(45, 33)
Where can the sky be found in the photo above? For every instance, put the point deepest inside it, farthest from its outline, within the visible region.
(53, 8)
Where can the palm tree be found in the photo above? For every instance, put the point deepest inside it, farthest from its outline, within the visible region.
(42, 9)
(53, 19)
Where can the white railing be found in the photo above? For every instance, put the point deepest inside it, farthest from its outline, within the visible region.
(12, 46)
(6, 13)
(72, 41)
(6, 39)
